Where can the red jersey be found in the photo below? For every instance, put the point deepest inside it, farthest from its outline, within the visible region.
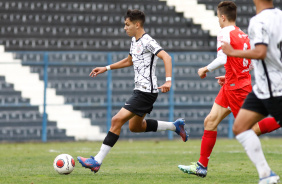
(237, 69)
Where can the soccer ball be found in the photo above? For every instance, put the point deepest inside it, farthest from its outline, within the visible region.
(64, 164)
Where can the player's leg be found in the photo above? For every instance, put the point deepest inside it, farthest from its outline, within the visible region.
(141, 104)
(118, 121)
(225, 99)
(219, 111)
(139, 124)
(266, 125)
(249, 140)
(253, 111)
(217, 114)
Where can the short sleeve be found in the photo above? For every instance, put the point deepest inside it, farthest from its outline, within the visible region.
(153, 47)
(259, 33)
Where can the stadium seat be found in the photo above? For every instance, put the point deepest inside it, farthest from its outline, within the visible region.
(67, 23)
(17, 116)
(93, 26)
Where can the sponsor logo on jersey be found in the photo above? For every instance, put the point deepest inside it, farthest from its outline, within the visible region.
(242, 35)
(151, 48)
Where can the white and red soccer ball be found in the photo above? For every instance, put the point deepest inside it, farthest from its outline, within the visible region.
(64, 164)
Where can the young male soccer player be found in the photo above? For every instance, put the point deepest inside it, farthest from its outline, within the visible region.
(237, 84)
(143, 56)
(266, 97)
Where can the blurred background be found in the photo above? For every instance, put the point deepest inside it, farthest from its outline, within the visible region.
(49, 47)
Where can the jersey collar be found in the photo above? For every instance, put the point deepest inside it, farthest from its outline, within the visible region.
(141, 37)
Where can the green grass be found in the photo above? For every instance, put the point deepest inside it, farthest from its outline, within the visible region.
(132, 162)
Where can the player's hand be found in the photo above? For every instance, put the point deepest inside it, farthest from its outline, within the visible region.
(221, 80)
(202, 72)
(165, 87)
(97, 71)
(227, 48)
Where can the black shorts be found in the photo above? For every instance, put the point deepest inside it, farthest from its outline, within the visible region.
(270, 106)
(141, 103)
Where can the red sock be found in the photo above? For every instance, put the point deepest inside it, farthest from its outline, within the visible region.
(208, 142)
(268, 125)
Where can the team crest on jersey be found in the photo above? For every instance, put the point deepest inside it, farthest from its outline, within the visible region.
(139, 49)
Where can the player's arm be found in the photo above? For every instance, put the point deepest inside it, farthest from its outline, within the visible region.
(259, 52)
(126, 62)
(168, 70)
(219, 61)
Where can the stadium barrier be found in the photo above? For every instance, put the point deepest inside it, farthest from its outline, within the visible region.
(46, 63)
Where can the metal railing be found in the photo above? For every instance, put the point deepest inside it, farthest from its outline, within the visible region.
(45, 63)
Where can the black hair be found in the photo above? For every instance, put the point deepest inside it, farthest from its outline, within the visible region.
(135, 15)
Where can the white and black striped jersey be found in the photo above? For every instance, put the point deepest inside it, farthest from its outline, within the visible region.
(266, 28)
(143, 52)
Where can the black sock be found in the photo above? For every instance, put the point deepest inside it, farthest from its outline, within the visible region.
(111, 139)
(152, 125)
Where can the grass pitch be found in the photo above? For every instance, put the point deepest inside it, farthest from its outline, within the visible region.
(131, 162)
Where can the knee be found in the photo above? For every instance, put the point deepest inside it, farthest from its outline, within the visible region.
(210, 122)
(236, 129)
(116, 122)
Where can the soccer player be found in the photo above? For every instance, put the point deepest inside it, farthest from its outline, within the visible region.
(266, 97)
(143, 55)
(235, 86)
